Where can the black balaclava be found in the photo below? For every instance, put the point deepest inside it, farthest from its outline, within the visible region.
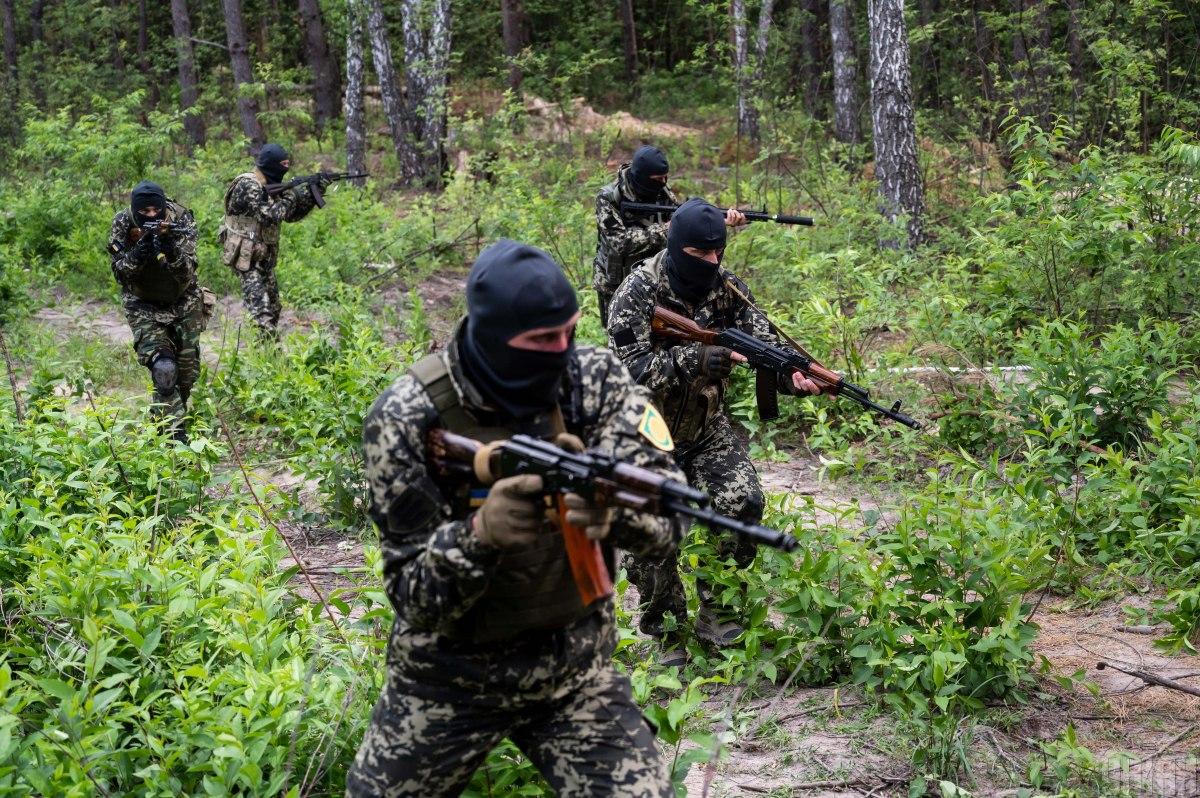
(647, 161)
(270, 162)
(695, 224)
(144, 195)
(513, 288)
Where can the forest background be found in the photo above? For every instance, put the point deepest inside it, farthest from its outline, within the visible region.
(1006, 203)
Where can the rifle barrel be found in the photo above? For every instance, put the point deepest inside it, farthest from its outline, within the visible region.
(751, 216)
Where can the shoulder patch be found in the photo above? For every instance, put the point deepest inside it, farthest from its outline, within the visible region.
(654, 429)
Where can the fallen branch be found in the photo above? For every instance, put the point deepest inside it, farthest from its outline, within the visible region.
(1152, 679)
(1162, 750)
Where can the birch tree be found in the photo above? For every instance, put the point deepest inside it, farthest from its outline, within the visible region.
(243, 75)
(353, 107)
(389, 88)
(750, 72)
(321, 62)
(426, 73)
(896, 167)
(845, 73)
(181, 24)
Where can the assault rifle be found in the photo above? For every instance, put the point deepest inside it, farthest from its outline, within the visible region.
(155, 228)
(651, 208)
(313, 182)
(771, 359)
(598, 477)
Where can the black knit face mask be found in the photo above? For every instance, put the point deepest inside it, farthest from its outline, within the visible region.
(514, 288)
(270, 162)
(701, 226)
(647, 162)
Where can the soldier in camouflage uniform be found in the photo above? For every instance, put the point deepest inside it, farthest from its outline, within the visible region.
(491, 638)
(164, 304)
(689, 382)
(624, 239)
(250, 233)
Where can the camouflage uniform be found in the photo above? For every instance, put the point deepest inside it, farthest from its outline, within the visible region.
(250, 241)
(707, 448)
(624, 240)
(455, 688)
(164, 304)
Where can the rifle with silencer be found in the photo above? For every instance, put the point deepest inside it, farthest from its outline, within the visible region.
(314, 184)
(751, 216)
(772, 359)
(598, 477)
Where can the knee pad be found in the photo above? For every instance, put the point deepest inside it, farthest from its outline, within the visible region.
(164, 373)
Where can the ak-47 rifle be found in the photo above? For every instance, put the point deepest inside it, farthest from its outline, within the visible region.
(770, 358)
(598, 477)
(751, 216)
(155, 228)
(313, 182)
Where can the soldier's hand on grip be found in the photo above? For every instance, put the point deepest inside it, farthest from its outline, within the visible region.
(716, 362)
(595, 521)
(513, 512)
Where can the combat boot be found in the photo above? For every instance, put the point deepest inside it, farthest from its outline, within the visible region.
(711, 629)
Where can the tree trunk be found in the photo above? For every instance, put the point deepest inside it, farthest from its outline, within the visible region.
(929, 55)
(10, 40)
(845, 73)
(353, 108)
(1075, 38)
(426, 69)
(35, 36)
(896, 166)
(389, 89)
(764, 39)
(143, 46)
(629, 39)
(118, 59)
(325, 74)
(515, 27)
(983, 56)
(181, 23)
(811, 64)
(747, 114)
(1031, 50)
(235, 35)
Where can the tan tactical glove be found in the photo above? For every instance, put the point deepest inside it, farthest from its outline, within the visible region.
(513, 513)
(595, 521)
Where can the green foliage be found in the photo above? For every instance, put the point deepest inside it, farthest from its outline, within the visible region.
(153, 645)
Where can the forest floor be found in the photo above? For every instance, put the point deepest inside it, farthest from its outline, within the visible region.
(820, 741)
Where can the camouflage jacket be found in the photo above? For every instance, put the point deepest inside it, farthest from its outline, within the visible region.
(671, 369)
(623, 241)
(246, 197)
(143, 276)
(434, 567)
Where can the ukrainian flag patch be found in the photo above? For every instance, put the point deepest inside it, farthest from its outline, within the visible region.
(477, 497)
(654, 429)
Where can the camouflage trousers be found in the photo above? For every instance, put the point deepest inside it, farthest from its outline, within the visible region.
(718, 464)
(571, 712)
(260, 292)
(172, 332)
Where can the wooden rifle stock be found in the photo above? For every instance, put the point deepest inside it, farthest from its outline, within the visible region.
(669, 324)
(453, 454)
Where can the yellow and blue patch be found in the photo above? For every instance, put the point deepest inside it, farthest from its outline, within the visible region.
(653, 428)
(477, 497)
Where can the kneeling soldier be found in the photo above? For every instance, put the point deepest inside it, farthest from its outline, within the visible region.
(689, 382)
(491, 637)
(153, 248)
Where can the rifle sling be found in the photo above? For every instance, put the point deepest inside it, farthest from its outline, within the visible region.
(770, 324)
